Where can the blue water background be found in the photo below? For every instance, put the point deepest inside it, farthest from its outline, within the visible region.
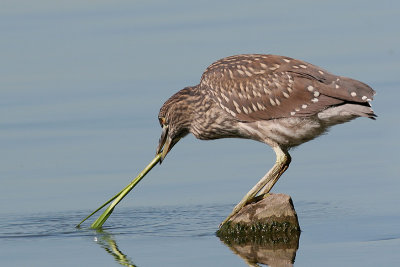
(81, 83)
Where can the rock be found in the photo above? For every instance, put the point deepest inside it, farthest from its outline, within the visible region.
(271, 219)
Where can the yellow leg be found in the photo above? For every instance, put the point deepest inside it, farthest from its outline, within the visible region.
(267, 182)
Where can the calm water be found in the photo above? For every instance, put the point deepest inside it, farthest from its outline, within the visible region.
(179, 235)
(80, 88)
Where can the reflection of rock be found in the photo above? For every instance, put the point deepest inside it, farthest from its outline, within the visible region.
(274, 257)
(265, 231)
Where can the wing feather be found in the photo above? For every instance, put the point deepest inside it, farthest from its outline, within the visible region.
(264, 87)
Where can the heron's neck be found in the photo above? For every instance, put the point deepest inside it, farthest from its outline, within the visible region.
(207, 121)
(187, 104)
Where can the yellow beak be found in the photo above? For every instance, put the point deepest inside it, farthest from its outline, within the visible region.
(167, 147)
(163, 138)
(165, 144)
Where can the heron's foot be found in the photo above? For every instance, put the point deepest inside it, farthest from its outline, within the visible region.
(241, 204)
(233, 213)
(258, 198)
(237, 208)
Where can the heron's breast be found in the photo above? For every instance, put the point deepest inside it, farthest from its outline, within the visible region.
(288, 132)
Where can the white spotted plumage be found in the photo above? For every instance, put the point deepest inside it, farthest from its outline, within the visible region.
(267, 87)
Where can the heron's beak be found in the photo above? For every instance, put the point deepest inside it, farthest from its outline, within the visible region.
(166, 143)
(163, 137)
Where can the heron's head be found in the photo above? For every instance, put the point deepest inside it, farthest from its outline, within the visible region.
(175, 119)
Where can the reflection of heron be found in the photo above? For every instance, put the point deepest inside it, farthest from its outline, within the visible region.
(280, 101)
(107, 242)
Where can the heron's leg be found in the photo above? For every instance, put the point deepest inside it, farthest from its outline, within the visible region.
(267, 182)
(283, 158)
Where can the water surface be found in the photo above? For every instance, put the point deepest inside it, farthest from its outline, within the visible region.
(81, 84)
(174, 235)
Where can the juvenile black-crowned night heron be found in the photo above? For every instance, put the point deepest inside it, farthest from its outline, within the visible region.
(277, 100)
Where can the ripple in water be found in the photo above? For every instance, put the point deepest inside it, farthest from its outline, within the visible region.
(173, 221)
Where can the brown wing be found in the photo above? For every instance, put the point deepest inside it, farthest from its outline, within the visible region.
(264, 87)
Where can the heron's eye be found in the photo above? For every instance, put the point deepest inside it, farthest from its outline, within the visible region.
(162, 121)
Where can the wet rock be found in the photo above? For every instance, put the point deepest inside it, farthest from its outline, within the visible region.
(268, 220)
